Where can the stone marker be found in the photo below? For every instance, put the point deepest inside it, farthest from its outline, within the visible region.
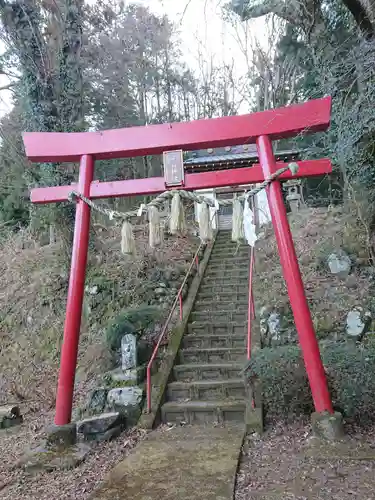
(129, 351)
(339, 263)
(274, 326)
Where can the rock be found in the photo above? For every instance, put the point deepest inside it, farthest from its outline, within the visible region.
(42, 458)
(160, 291)
(368, 271)
(127, 401)
(133, 376)
(97, 400)
(156, 275)
(10, 416)
(351, 282)
(339, 263)
(105, 436)
(171, 275)
(100, 423)
(128, 351)
(357, 322)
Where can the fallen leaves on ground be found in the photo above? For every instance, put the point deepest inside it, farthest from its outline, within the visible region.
(78, 483)
(282, 466)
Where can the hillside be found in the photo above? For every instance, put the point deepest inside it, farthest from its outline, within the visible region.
(318, 233)
(32, 309)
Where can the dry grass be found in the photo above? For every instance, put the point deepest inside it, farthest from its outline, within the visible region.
(32, 311)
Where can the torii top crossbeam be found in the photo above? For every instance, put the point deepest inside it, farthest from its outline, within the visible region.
(282, 123)
(260, 128)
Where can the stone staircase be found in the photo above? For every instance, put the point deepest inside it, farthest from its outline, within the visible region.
(207, 384)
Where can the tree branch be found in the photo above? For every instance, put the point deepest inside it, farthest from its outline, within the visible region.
(8, 86)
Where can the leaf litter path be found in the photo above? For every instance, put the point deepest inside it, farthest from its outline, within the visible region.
(287, 463)
(183, 463)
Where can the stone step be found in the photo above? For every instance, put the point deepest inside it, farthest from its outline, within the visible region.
(220, 243)
(201, 412)
(213, 341)
(206, 390)
(211, 304)
(216, 287)
(226, 296)
(228, 276)
(228, 268)
(227, 272)
(232, 316)
(207, 371)
(217, 328)
(227, 256)
(238, 258)
(212, 355)
(226, 282)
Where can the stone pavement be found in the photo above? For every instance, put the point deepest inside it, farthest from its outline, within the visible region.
(181, 463)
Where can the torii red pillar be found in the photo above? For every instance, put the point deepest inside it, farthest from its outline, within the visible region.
(262, 128)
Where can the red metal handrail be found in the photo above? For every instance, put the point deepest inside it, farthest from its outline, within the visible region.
(178, 300)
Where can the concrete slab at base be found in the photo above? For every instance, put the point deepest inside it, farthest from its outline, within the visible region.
(327, 425)
(253, 419)
(181, 463)
(62, 435)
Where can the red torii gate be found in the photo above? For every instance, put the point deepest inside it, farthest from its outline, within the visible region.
(260, 128)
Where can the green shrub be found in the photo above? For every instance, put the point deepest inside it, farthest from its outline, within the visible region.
(285, 389)
(135, 320)
(117, 329)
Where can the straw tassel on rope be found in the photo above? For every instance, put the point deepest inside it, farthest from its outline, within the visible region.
(205, 228)
(237, 222)
(177, 220)
(155, 233)
(127, 238)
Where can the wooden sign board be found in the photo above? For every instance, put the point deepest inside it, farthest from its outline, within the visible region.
(173, 162)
